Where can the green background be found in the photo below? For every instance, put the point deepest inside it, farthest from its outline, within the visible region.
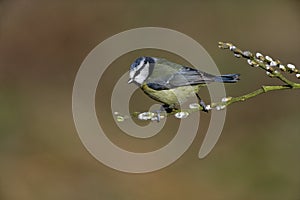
(42, 44)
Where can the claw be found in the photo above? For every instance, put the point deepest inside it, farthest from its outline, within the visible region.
(202, 104)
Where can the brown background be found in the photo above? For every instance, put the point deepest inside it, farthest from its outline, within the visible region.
(42, 44)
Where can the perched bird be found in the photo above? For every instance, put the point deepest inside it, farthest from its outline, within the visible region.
(170, 83)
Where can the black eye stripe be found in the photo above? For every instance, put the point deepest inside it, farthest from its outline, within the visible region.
(139, 70)
(151, 67)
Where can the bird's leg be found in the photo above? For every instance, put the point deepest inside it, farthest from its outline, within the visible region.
(165, 107)
(162, 108)
(202, 104)
(158, 113)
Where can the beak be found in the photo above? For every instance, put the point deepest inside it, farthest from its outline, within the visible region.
(130, 80)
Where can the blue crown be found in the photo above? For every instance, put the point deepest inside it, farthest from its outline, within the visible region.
(141, 59)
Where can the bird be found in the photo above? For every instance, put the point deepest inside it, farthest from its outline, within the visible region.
(170, 83)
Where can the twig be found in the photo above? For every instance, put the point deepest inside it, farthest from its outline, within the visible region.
(266, 63)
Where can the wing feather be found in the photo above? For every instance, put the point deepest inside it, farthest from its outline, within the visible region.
(181, 77)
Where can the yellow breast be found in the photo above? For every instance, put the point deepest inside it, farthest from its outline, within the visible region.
(172, 96)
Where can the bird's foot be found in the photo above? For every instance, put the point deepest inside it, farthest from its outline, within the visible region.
(202, 104)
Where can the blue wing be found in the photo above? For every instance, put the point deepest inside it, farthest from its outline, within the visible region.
(183, 77)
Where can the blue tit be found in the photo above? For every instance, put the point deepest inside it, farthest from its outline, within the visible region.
(170, 83)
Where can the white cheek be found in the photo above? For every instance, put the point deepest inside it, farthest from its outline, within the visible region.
(143, 75)
(139, 79)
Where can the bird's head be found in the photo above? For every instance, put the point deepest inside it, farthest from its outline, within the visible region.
(141, 69)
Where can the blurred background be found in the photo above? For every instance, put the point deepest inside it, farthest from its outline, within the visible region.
(42, 45)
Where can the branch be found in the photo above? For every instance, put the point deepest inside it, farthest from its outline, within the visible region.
(273, 68)
(265, 63)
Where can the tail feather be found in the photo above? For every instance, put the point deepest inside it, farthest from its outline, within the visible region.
(227, 78)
